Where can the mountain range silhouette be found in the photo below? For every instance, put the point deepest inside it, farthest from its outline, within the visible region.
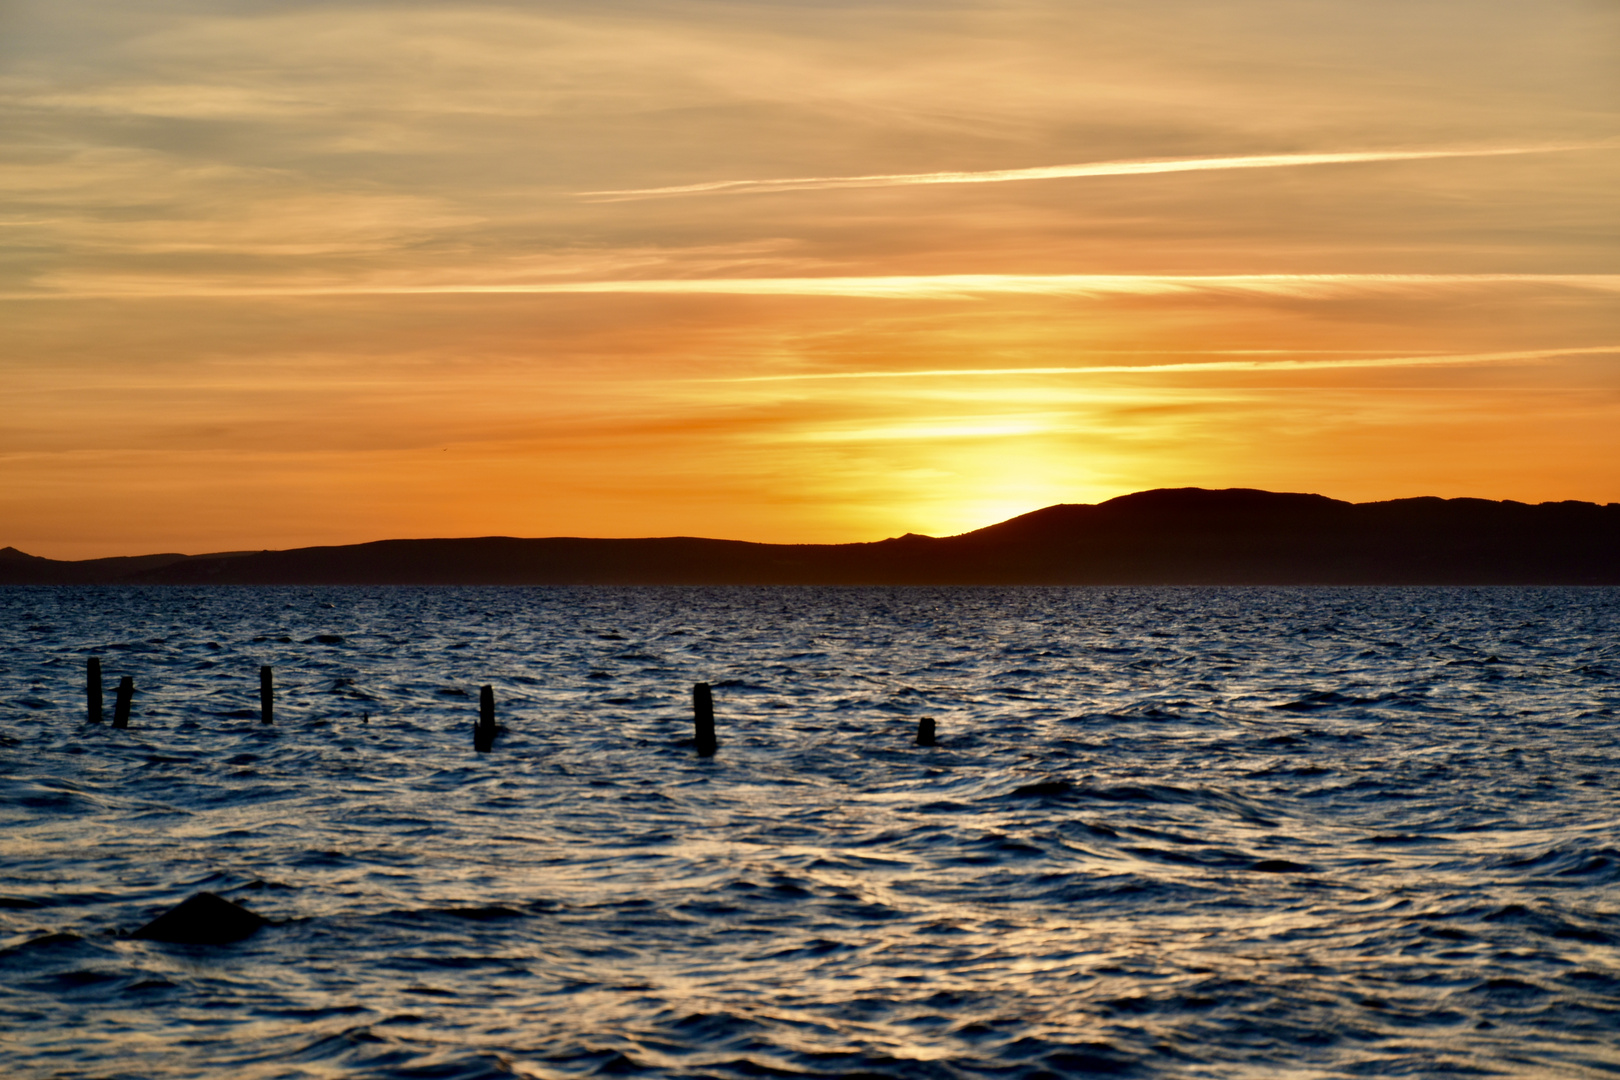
(1169, 536)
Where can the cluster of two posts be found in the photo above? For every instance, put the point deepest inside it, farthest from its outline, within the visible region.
(93, 697)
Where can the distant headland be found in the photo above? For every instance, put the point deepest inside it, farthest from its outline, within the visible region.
(1170, 536)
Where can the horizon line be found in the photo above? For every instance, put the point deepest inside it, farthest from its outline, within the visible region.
(248, 552)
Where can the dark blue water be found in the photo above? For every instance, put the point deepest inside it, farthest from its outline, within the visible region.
(1167, 832)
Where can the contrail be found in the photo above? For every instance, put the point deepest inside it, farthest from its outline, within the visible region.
(1422, 360)
(1140, 167)
(899, 287)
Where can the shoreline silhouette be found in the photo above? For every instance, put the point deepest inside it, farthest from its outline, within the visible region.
(1168, 536)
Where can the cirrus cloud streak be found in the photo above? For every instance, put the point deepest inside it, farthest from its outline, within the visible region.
(1068, 172)
(895, 286)
(1425, 360)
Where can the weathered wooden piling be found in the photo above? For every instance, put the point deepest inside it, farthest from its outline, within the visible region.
(484, 733)
(92, 689)
(126, 692)
(267, 695)
(703, 719)
(925, 731)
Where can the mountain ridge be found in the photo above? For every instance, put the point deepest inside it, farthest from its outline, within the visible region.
(1166, 536)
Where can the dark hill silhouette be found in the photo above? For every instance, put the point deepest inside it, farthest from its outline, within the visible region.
(18, 567)
(1187, 536)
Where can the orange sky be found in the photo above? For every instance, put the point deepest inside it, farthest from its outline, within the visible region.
(278, 274)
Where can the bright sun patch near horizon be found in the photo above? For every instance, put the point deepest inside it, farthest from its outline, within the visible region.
(324, 274)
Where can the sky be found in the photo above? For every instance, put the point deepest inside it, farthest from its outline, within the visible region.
(276, 274)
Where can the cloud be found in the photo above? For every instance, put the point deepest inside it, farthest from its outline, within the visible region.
(1465, 359)
(1069, 172)
(901, 287)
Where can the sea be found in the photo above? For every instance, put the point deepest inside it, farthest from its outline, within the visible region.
(1165, 832)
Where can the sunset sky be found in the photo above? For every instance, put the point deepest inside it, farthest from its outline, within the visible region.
(286, 273)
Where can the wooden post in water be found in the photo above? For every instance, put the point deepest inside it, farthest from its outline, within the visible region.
(126, 691)
(703, 719)
(92, 689)
(484, 733)
(267, 695)
(925, 731)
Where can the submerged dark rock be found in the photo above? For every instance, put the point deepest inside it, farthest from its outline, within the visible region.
(1281, 866)
(1043, 789)
(204, 919)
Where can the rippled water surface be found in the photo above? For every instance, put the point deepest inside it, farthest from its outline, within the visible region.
(1167, 832)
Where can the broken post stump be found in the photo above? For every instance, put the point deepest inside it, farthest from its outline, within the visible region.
(204, 919)
(267, 695)
(126, 691)
(703, 719)
(92, 689)
(484, 733)
(925, 731)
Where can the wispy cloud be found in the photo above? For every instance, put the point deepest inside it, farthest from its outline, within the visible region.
(1422, 360)
(1068, 172)
(902, 287)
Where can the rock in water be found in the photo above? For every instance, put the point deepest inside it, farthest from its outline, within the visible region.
(205, 919)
